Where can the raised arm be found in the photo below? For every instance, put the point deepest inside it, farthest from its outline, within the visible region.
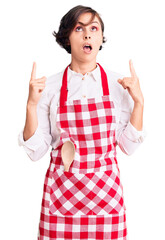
(133, 86)
(36, 86)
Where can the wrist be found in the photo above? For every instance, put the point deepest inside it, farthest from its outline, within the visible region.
(31, 105)
(139, 103)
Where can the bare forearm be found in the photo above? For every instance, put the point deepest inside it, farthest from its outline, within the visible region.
(137, 116)
(31, 122)
(133, 86)
(36, 87)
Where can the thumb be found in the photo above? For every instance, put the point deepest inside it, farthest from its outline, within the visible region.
(119, 80)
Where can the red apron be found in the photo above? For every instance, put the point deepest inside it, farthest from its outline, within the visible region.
(87, 201)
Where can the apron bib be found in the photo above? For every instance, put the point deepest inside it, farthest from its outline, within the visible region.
(91, 187)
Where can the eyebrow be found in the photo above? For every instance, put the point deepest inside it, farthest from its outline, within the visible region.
(87, 23)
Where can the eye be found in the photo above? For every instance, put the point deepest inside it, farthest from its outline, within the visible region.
(93, 28)
(78, 29)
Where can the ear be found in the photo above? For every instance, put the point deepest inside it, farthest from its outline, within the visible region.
(101, 43)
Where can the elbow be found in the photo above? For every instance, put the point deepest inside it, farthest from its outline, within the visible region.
(128, 147)
(38, 154)
(34, 158)
(129, 152)
(126, 150)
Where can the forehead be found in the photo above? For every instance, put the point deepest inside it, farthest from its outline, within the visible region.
(88, 18)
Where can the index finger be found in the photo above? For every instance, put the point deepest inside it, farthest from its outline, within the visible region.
(132, 70)
(33, 74)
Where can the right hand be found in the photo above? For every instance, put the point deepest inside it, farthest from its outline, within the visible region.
(36, 87)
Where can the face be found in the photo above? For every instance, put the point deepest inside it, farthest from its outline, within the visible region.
(85, 41)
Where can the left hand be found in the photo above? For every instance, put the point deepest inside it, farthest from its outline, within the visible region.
(132, 85)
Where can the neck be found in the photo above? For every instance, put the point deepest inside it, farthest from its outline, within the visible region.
(82, 67)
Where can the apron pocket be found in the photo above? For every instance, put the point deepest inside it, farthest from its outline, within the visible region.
(96, 193)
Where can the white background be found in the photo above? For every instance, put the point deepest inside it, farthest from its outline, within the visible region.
(134, 30)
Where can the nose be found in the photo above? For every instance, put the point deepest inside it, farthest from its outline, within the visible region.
(87, 34)
(87, 37)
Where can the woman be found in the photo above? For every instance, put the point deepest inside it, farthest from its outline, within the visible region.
(83, 112)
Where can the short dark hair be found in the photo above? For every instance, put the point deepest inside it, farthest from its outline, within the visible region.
(69, 21)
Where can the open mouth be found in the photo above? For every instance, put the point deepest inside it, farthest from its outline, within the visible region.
(87, 48)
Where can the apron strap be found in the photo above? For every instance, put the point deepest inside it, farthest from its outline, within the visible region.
(64, 90)
(104, 81)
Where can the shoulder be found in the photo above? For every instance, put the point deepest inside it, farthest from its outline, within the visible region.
(53, 84)
(52, 88)
(116, 90)
(119, 94)
(113, 77)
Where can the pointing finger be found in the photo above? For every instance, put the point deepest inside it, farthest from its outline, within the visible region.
(132, 70)
(38, 80)
(33, 74)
